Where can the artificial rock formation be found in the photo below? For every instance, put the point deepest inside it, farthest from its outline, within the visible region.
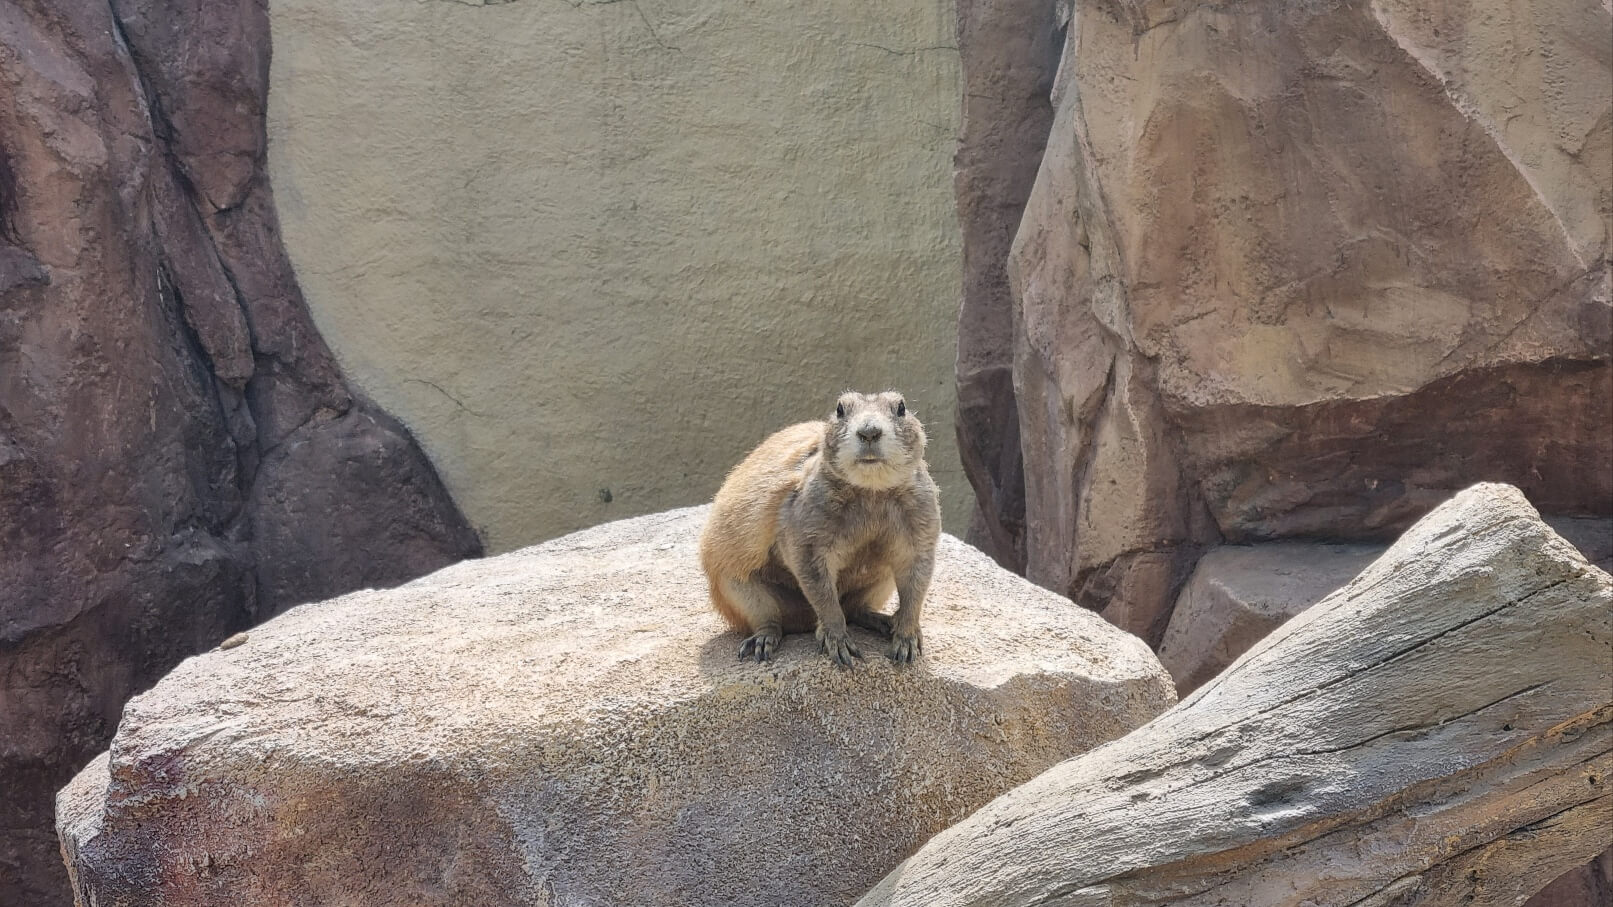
(1301, 270)
(1239, 593)
(1439, 731)
(179, 454)
(569, 724)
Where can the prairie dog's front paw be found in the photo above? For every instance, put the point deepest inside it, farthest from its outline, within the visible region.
(839, 647)
(905, 647)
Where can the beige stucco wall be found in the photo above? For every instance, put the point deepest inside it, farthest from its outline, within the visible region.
(580, 247)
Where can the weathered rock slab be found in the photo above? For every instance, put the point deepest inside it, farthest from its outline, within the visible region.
(569, 724)
(1439, 731)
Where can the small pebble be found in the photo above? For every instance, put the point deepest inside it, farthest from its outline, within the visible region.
(233, 641)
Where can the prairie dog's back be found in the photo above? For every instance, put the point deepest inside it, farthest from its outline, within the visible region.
(744, 516)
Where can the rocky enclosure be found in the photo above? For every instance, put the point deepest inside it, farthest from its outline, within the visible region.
(179, 454)
(1439, 731)
(569, 724)
(1287, 270)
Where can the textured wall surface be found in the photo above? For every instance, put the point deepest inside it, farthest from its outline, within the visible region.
(591, 253)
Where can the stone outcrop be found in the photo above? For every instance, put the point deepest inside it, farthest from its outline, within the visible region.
(1439, 731)
(179, 454)
(1301, 270)
(569, 724)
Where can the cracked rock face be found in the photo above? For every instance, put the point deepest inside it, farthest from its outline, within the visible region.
(179, 454)
(1304, 270)
(569, 724)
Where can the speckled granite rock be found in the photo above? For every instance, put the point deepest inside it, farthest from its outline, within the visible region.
(570, 724)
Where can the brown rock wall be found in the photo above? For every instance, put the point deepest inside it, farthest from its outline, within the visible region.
(1299, 271)
(179, 456)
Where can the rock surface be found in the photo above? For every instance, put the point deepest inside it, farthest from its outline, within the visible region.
(1304, 271)
(569, 724)
(1238, 594)
(1439, 731)
(592, 252)
(179, 454)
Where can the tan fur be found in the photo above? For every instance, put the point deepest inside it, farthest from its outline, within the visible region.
(820, 524)
(745, 514)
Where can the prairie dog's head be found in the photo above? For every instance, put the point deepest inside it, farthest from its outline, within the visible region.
(873, 440)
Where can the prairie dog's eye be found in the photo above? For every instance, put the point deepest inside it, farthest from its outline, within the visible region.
(901, 408)
(840, 410)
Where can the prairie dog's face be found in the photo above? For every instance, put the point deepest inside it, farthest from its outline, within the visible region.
(874, 440)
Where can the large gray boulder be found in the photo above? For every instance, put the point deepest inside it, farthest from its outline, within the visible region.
(1439, 731)
(569, 724)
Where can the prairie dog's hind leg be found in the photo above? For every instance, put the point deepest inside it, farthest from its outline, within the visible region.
(862, 606)
(761, 612)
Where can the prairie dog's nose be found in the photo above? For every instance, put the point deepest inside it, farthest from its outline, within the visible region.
(870, 433)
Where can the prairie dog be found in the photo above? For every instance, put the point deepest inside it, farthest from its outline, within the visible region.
(820, 523)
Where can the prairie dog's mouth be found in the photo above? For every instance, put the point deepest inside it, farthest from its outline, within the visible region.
(870, 458)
